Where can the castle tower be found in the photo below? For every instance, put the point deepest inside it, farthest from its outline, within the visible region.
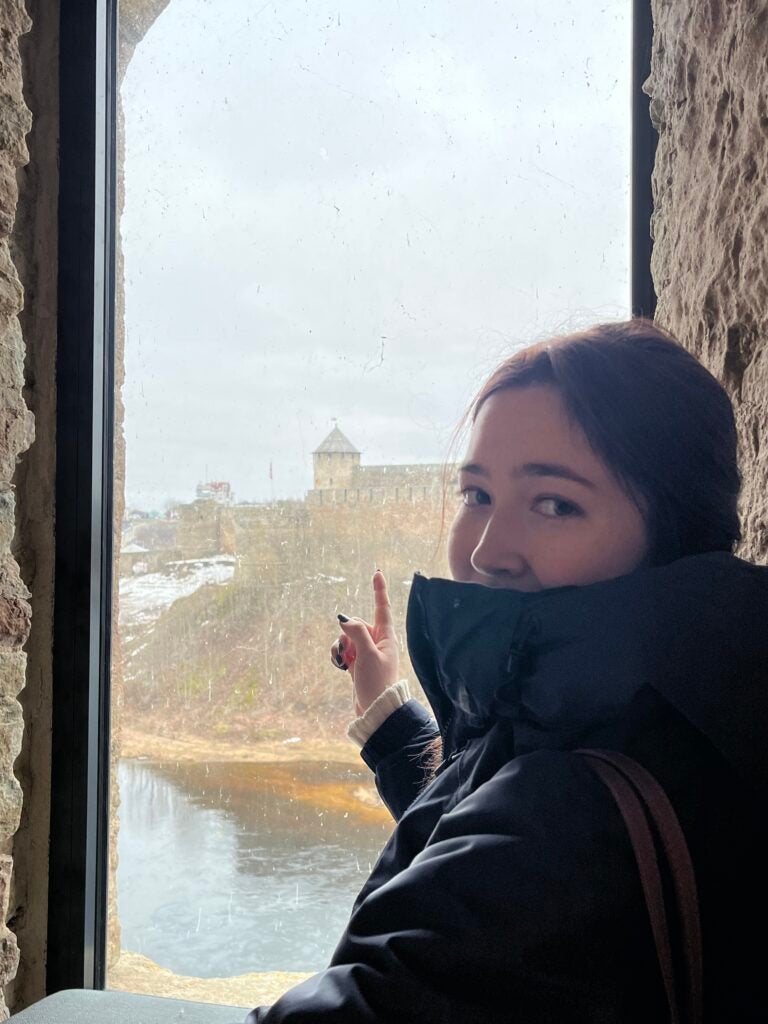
(335, 461)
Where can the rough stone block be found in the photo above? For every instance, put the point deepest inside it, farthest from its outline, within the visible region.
(11, 353)
(15, 611)
(11, 731)
(12, 666)
(11, 292)
(10, 808)
(9, 951)
(15, 122)
(9, 194)
(7, 517)
(16, 430)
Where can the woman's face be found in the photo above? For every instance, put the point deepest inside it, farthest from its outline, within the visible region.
(539, 509)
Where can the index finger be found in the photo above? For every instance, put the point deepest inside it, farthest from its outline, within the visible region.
(382, 609)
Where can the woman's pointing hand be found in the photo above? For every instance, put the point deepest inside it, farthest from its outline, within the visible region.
(370, 652)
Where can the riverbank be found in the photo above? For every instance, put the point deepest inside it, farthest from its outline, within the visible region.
(136, 973)
(139, 741)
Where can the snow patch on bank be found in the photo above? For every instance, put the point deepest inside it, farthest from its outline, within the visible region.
(144, 598)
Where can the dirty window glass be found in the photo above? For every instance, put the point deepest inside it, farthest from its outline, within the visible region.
(334, 220)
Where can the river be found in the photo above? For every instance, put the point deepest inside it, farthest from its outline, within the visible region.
(230, 868)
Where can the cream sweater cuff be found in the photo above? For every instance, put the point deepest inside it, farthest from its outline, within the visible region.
(390, 700)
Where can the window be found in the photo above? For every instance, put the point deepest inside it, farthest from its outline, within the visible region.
(325, 212)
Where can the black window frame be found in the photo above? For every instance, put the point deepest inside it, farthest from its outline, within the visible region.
(79, 851)
(79, 822)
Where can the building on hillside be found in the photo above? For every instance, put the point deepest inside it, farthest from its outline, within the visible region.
(219, 491)
(133, 559)
(341, 478)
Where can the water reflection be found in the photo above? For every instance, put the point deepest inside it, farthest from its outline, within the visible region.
(229, 868)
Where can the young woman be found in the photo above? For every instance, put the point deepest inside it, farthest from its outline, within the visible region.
(595, 603)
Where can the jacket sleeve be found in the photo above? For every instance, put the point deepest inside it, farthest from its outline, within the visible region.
(524, 906)
(398, 754)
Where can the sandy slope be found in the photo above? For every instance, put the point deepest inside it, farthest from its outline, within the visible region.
(136, 973)
(137, 742)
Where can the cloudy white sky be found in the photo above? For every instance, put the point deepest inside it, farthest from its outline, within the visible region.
(355, 210)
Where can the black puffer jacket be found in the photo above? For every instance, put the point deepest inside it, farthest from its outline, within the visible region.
(509, 890)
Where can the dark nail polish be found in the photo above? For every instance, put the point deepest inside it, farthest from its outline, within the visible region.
(340, 645)
(343, 618)
(339, 660)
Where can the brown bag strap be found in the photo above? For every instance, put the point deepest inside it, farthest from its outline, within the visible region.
(639, 798)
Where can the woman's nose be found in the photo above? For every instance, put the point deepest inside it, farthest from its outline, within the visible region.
(497, 554)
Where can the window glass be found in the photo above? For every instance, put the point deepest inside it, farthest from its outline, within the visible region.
(335, 219)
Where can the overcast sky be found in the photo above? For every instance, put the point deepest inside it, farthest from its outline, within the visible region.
(356, 210)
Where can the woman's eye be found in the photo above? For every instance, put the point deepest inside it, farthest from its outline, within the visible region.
(556, 508)
(474, 496)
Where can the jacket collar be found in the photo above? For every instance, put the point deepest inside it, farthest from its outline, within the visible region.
(561, 661)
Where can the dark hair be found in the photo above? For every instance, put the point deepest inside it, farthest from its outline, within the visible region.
(661, 423)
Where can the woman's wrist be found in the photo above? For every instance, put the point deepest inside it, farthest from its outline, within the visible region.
(362, 728)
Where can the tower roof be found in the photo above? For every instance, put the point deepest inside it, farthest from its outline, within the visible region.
(336, 444)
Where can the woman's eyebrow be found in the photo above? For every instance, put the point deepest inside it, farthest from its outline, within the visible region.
(534, 469)
(473, 467)
(553, 469)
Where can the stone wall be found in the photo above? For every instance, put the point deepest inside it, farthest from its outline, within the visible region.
(709, 102)
(335, 469)
(375, 495)
(378, 485)
(205, 528)
(16, 436)
(34, 246)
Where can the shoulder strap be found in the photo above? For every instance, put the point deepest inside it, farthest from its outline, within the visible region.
(639, 798)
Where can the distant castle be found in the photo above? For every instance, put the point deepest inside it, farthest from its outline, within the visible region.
(214, 524)
(339, 477)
